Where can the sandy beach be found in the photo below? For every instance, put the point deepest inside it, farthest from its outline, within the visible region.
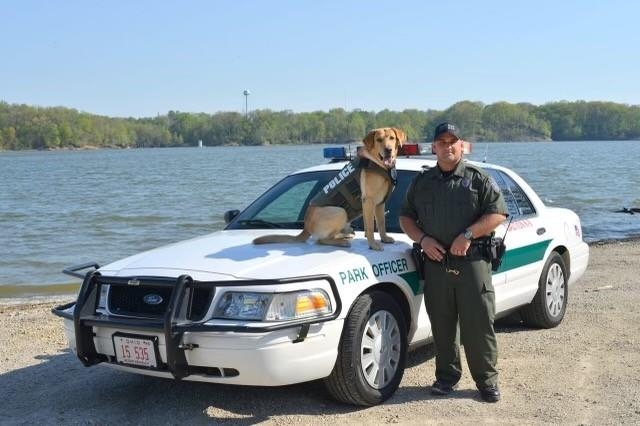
(586, 371)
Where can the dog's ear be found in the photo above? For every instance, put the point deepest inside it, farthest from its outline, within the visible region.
(369, 140)
(400, 136)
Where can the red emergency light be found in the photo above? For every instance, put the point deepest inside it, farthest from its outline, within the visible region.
(409, 149)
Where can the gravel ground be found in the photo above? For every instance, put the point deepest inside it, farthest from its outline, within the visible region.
(586, 371)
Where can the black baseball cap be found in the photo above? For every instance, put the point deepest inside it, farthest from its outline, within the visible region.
(445, 128)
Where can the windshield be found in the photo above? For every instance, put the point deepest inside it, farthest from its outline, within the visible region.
(284, 205)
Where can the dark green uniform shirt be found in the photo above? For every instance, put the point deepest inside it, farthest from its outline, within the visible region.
(444, 206)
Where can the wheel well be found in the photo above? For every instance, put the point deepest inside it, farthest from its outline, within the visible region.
(562, 251)
(398, 296)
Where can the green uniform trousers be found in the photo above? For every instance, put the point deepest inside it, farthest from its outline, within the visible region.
(468, 299)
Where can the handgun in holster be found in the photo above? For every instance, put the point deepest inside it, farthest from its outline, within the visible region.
(497, 248)
(418, 258)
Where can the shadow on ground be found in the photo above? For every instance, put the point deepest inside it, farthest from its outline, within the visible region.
(59, 390)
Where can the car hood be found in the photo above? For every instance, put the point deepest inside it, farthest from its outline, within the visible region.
(228, 255)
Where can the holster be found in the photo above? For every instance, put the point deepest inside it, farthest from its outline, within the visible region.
(497, 249)
(491, 249)
(418, 258)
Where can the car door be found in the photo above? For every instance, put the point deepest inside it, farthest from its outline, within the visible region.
(526, 240)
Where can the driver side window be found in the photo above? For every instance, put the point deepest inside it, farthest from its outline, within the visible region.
(290, 206)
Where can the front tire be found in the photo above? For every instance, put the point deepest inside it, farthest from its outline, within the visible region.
(550, 302)
(372, 352)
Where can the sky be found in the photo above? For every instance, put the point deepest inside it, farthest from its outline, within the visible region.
(144, 58)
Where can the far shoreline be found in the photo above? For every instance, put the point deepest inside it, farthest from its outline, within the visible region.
(118, 147)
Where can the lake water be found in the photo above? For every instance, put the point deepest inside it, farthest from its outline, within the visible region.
(68, 207)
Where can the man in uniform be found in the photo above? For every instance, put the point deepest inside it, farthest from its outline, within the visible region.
(448, 210)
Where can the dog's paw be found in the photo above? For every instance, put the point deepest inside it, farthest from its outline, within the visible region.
(339, 242)
(374, 245)
(348, 230)
(346, 236)
(387, 240)
(345, 242)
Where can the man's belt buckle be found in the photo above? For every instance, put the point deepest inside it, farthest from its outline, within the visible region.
(448, 269)
(452, 271)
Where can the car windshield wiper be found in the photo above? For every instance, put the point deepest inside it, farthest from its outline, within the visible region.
(259, 223)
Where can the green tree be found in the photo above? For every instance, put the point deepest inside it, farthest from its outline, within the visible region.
(26, 127)
(467, 115)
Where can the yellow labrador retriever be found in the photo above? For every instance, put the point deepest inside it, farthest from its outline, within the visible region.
(359, 189)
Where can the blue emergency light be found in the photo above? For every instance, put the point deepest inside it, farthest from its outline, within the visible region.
(335, 152)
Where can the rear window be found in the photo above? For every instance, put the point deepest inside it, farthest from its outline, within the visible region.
(518, 204)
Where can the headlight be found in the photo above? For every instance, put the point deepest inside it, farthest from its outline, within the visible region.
(247, 306)
(273, 306)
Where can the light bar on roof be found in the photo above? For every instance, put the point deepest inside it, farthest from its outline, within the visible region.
(335, 152)
(409, 149)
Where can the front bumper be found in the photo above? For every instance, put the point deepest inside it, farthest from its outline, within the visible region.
(247, 353)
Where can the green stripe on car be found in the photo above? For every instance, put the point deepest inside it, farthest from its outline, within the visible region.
(524, 255)
(413, 280)
(512, 259)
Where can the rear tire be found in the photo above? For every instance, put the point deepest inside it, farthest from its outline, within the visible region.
(372, 352)
(549, 305)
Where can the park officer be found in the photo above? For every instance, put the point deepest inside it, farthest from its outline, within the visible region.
(448, 210)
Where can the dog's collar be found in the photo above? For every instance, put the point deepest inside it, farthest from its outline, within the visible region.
(390, 173)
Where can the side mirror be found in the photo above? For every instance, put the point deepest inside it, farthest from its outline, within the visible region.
(229, 215)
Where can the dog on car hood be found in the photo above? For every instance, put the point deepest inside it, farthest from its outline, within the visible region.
(359, 189)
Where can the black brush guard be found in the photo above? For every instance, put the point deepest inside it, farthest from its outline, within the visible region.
(174, 324)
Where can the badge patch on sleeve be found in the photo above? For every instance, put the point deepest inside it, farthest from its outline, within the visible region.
(494, 184)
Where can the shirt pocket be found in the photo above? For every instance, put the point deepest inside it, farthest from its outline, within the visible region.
(424, 202)
(425, 210)
(466, 206)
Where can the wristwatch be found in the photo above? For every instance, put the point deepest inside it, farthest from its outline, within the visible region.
(468, 235)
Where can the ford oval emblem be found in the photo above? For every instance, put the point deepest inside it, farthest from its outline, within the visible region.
(152, 299)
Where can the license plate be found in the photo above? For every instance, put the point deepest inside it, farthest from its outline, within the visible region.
(136, 351)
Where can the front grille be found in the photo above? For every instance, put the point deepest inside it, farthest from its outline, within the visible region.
(129, 300)
(150, 301)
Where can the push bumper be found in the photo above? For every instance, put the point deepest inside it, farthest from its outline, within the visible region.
(266, 353)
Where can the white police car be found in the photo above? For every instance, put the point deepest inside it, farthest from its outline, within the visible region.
(220, 309)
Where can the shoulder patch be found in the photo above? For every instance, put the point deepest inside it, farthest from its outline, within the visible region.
(494, 184)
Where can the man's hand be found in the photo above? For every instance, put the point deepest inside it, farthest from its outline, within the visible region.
(460, 246)
(433, 249)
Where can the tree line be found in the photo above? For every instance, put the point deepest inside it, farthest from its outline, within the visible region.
(29, 127)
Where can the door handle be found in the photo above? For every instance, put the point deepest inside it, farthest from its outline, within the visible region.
(540, 231)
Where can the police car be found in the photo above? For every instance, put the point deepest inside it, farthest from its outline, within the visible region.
(220, 309)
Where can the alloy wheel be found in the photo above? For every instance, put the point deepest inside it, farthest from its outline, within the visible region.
(380, 349)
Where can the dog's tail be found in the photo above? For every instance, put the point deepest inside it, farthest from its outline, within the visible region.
(278, 238)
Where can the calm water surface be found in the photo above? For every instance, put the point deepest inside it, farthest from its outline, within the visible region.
(70, 207)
